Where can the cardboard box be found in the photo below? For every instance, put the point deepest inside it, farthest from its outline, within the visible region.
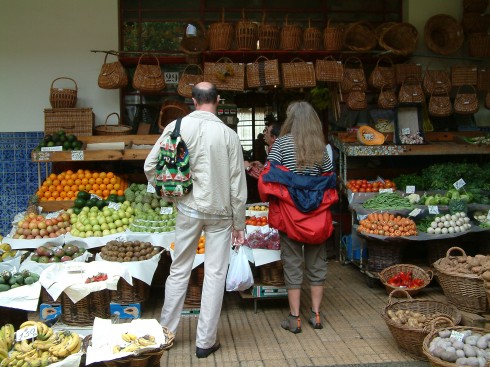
(49, 311)
(269, 291)
(126, 311)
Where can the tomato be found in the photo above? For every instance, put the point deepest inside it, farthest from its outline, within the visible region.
(369, 189)
(375, 189)
(362, 189)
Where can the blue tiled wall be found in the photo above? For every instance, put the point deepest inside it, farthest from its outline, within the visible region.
(18, 175)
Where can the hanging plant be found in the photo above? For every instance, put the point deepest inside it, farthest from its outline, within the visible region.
(319, 97)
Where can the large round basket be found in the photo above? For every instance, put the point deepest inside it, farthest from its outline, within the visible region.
(272, 273)
(83, 313)
(63, 97)
(170, 111)
(127, 293)
(360, 37)
(434, 332)
(220, 34)
(333, 36)
(410, 339)
(465, 291)
(398, 38)
(118, 129)
(150, 358)
(386, 274)
(443, 34)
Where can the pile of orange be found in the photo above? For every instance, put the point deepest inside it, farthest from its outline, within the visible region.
(201, 245)
(66, 185)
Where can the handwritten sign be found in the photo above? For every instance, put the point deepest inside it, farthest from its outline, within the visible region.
(166, 210)
(410, 189)
(29, 332)
(433, 209)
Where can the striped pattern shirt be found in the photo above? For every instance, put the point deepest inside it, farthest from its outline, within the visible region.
(283, 152)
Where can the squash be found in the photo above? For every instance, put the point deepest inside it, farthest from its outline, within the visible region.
(369, 136)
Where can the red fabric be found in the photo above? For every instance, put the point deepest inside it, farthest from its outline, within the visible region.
(314, 227)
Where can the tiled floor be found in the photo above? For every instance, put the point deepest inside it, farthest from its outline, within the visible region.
(353, 332)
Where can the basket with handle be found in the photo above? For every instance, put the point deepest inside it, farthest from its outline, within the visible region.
(329, 70)
(434, 78)
(148, 77)
(409, 339)
(479, 45)
(225, 74)
(466, 100)
(483, 84)
(353, 74)
(411, 91)
(118, 129)
(402, 71)
(188, 80)
(440, 103)
(383, 73)
(465, 291)
(170, 111)
(112, 75)
(63, 97)
(399, 38)
(360, 37)
(298, 74)
(464, 75)
(268, 35)
(312, 38)
(386, 274)
(443, 34)
(246, 34)
(194, 43)
(263, 73)
(220, 34)
(291, 36)
(333, 36)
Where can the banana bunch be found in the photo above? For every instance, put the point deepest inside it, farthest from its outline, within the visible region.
(7, 334)
(134, 343)
(44, 332)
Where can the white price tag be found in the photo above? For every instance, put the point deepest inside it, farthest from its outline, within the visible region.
(381, 191)
(150, 188)
(433, 209)
(368, 136)
(166, 210)
(171, 77)
(113, 205)
(456, 335)
(93, 196)
(77, 155)
(414, 212)
(405, 131)
(57, 148)
(29, 332)
(459, 184)
(52, 215)
(410, 189)
(43, 156)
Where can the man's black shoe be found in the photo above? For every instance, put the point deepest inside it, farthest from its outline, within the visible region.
(205, 352)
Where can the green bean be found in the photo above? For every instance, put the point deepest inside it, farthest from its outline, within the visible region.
(387, 200)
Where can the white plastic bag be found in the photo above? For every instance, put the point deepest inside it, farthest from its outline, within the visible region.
(239, 277)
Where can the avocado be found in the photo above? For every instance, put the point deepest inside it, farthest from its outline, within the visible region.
(4, 287)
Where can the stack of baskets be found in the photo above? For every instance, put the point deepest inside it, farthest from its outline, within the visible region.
(272, 273)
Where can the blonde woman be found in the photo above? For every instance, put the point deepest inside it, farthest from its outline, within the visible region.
(300, 186)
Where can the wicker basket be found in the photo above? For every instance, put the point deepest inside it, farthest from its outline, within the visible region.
(194, 44)
(437, 249)
(382, 255)
(272, 273)
(465, 291)
(329, 70)
(433, 333)
(246, 34)
(170, 111)
(225, 74)
(333, 36)
(405, 70)
(399, 38)
(298, 74)
(410, 339)
(193, 295)
(113, 130)
(312, 38)
(268, 35)
(483, 79)
(443, 34)
(360, 37)
(46, 298)
(150, 358)
(220, 34)
(291, 36)
(77, 121)
(416, 272)
(162, 271)
(464, 75)
(263, 73)
(479, 45)
(127, 293)
(475, 23)
(475, 6)
(63, 97)
(188, 80)
(83, 313)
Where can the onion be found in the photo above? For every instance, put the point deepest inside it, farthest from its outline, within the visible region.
(430, 230)
(444, 230)
(448, 216)
(450, 230)
(437, 230)
(446, 223)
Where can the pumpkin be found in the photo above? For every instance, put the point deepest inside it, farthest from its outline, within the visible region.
(369, 136)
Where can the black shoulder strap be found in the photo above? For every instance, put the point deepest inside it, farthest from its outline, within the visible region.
(176, 131)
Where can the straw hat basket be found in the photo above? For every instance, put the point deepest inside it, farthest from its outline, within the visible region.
(333, 36)
(479, 45)
(268, 36)
(410, 338)
(118, 129)
(399, 38)
(291, 36)
(194, 44)
(475, 6)
(312, 38)
(220, 34)
(443, 34)
(386, 274)
(360, 37)
(172, 110)
(246, 34)
(63, 97)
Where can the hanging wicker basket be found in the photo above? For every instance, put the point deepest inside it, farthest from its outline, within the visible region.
(443, 34)
(118, 129)
(360, 37)
(399, 38)
(63, 97)
(333, 36)
(220, 34)
(172, 110)
(312, 38)
(291, 36)
(246, 34)
(194, 43)
(268, 35)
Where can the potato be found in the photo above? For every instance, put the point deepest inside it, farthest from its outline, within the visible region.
(469, 350)
(482, 342)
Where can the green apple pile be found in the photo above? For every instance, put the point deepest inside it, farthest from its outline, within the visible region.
(95, 222)
(152, 221)
(52, 253)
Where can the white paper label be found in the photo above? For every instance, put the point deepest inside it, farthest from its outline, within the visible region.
(42, 156)
(433, 209)
(93, 196)
(459, 184)
(368, 136)
(77, 155)
(410, 189)
(166, 210)
(113, 205)
(29, 332)
(414, 212)
(381, 191)
(171, 77)
(456, 335)
(150, 188)
(52, 215)
(57, 148)
(405, 131)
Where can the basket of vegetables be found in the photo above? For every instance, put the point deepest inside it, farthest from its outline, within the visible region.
(410, 278)
(460, 277)
(457, 346)
(408, 320)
